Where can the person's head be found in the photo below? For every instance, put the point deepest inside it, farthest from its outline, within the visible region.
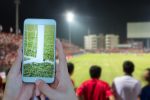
(128, 67)
(70, 68)
(147, 75)
(95, 71)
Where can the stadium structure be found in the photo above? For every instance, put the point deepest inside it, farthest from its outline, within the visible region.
(139, 31)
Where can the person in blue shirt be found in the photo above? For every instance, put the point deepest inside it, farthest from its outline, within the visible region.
(145, 93)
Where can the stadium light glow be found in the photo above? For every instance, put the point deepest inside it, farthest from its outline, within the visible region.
(70, 17)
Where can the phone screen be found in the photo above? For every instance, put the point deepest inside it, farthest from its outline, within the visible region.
(39, 50)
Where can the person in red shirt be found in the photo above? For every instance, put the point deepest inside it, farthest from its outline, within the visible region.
(95, 89)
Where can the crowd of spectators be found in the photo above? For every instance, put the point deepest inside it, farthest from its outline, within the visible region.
(9, 44)
(125, 87)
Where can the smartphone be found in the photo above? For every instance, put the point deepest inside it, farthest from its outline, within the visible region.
(39, 50)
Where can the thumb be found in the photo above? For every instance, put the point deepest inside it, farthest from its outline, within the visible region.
(15, 69)
(47, 90)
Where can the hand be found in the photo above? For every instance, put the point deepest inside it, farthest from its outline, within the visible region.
(62, 88)
(15, 89)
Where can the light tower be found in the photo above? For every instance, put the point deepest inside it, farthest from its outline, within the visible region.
(17, 2)
(70, 19)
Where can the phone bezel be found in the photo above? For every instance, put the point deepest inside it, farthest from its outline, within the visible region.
(41, 22)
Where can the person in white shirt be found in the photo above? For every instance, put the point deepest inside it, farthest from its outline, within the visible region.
(126, 87)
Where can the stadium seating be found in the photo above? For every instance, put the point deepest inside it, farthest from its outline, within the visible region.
(9, 44)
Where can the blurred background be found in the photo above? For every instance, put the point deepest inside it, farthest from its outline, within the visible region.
(93, 32)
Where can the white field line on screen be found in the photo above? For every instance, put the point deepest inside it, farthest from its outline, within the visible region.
(35, 60)
(40, 43)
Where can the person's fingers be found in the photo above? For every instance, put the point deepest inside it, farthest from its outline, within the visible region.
(29, 89)
(46, 90)
(17, 65)
(55, 84)
(27, 92)
(62, 57)
(62, 60)
(37, 92)
(58, 71)
(42, 97)
(57, 77)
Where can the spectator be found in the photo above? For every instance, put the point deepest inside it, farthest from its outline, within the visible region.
(94, 89)
(126, 87)
(145, 94)
(71, 70)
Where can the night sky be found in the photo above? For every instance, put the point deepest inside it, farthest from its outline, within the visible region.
(100, 16)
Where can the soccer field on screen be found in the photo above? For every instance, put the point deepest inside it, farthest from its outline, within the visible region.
(111, 65)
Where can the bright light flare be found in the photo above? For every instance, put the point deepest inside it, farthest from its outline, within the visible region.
(70, 17)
